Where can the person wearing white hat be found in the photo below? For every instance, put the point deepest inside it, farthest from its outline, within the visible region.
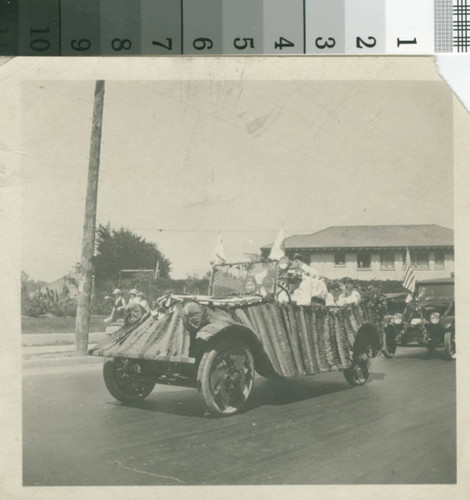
(132, 296)
(311, 288)
(143, 301)
(118, 307)
(134, 311)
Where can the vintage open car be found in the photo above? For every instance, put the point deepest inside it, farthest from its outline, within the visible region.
(246, 324)
(427, 320)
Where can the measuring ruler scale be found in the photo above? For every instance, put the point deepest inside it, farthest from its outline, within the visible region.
(232, 27)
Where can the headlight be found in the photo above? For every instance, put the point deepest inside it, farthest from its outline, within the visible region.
(435, 318)
(397, 319)
(284, 263)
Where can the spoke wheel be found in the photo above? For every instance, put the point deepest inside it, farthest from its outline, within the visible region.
(359, 371)
(225, 377)
(390, 344)
(121, 377)
(449, 345)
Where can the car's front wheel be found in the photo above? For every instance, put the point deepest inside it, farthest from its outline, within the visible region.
(225, 377)
(359, 372)
(449, 344)
(121, 377)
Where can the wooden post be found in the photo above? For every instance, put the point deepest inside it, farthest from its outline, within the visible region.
(82, 325)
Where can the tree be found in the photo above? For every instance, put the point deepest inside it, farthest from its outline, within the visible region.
(122, 249)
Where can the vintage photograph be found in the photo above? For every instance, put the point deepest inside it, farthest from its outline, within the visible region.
(239, 280)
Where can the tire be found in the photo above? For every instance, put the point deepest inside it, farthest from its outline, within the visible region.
(431, 346)
(116, 374)
(390, 345)
(449, 345)
(359, 372)
(225, 377)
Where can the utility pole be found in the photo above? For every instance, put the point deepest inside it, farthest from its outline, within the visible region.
(82, 325)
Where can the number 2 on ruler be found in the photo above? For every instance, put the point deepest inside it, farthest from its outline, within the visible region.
(360, 43)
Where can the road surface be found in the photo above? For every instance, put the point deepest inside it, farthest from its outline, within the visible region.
(399, 428)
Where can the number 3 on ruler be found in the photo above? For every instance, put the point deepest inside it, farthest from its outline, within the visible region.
(329, 44)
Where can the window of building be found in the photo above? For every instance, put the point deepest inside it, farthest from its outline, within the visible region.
(439, 260)
(420, 259)
(363, 260)
(340, 258)
(387, 260)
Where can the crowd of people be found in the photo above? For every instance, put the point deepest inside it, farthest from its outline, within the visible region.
(129, 311)
(309, 287)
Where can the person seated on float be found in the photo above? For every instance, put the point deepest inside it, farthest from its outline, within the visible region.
(119, 306)
(143, 301)
(133, 311)
(250, 286)
(330, 299)
(349, 294)
(267, 286)
(311, 288)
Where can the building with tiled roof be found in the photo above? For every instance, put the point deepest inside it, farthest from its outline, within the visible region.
(375, 252)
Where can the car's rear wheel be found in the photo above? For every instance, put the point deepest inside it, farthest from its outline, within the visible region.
(359, 372)
(225, 377)
(449, 345)
(121, 377)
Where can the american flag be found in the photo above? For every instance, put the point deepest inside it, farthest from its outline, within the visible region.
(409, 280)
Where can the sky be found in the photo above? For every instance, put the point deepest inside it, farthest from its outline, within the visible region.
(183, 160)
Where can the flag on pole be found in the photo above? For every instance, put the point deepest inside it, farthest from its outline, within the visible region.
(277, 251)
(157, 270)
(409, 280)
(219, 254)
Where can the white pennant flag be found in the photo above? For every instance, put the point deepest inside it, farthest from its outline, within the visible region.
(219, 254)
(277, 251)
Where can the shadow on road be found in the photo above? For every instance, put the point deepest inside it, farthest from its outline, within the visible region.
(275, 392)
(420, 353)
(286, 391)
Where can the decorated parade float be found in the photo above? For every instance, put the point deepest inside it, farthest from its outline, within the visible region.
(247, 324)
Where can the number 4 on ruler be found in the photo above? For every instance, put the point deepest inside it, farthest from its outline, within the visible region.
(283, 43)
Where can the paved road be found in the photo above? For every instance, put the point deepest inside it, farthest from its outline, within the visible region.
(399, 428)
